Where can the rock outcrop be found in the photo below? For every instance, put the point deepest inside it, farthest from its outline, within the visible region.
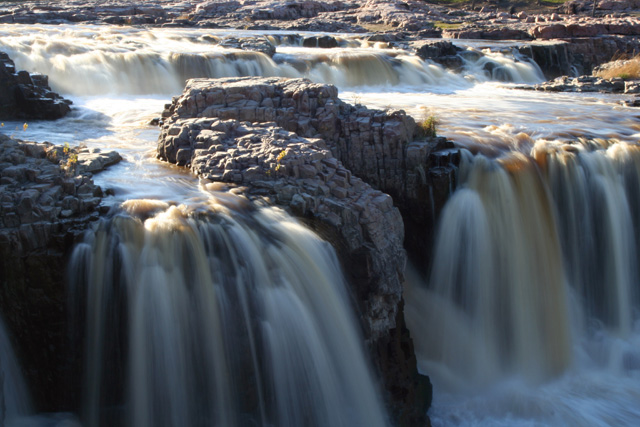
(47, 199)
(589, 84)
(27, 96)
(333, 164)
(444, 53)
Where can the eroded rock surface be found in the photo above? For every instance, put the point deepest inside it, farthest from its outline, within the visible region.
(47, 199)
(333, 164)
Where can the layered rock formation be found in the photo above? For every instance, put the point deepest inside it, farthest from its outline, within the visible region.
(335, 165)
(47, 199)
(28, 96)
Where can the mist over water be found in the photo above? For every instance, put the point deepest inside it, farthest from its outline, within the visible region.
(530, 316)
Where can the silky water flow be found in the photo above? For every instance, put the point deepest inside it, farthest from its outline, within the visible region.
(532, 299)
(232, 319)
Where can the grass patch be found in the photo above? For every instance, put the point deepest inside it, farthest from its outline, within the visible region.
(626, 69)
(447, 25)
(428, 127)
(378, 28)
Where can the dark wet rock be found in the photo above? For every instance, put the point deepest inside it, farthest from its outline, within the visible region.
(325, 42)
(553, 59)
(28, 96)
(635, 102)
(335, 165)
(587, 53)
(250, 44)
(578, 56)
(444, 53)
(47, 200)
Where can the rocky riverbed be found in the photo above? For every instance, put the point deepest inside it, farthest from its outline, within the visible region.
(406, 19)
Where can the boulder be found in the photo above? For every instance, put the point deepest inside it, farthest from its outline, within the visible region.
(325, 42)
(28, 96)
(444, 53)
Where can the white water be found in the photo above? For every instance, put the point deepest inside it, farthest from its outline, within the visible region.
(533, 296)
(542, 353)
(240, 319)
(14, 399)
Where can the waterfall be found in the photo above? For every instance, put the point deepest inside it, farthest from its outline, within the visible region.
(226, 318)
(534, 282)
(14, 399)
(89, 60)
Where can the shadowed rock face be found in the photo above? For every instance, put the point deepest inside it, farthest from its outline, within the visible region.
(46, 203)
(28, 96)
(335, 165)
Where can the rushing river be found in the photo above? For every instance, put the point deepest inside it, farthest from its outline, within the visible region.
(531, 313)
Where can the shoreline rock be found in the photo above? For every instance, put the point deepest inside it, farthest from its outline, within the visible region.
(47, 200)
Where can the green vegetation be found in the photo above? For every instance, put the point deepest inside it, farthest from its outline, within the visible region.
(428, 127)
(70, 164)
(447, 25)
(281, 156)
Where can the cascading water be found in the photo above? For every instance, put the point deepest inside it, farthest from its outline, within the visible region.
(538, 333)
(230, 319)
(533, 293)
(90, 60)
(14, 399)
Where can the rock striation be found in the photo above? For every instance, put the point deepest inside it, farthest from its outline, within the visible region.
(47, 199)
(28, 96)
(344, 169)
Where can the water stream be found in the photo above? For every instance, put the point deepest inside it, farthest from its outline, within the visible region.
(531, 313)
(14, 398)
(211, 316)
